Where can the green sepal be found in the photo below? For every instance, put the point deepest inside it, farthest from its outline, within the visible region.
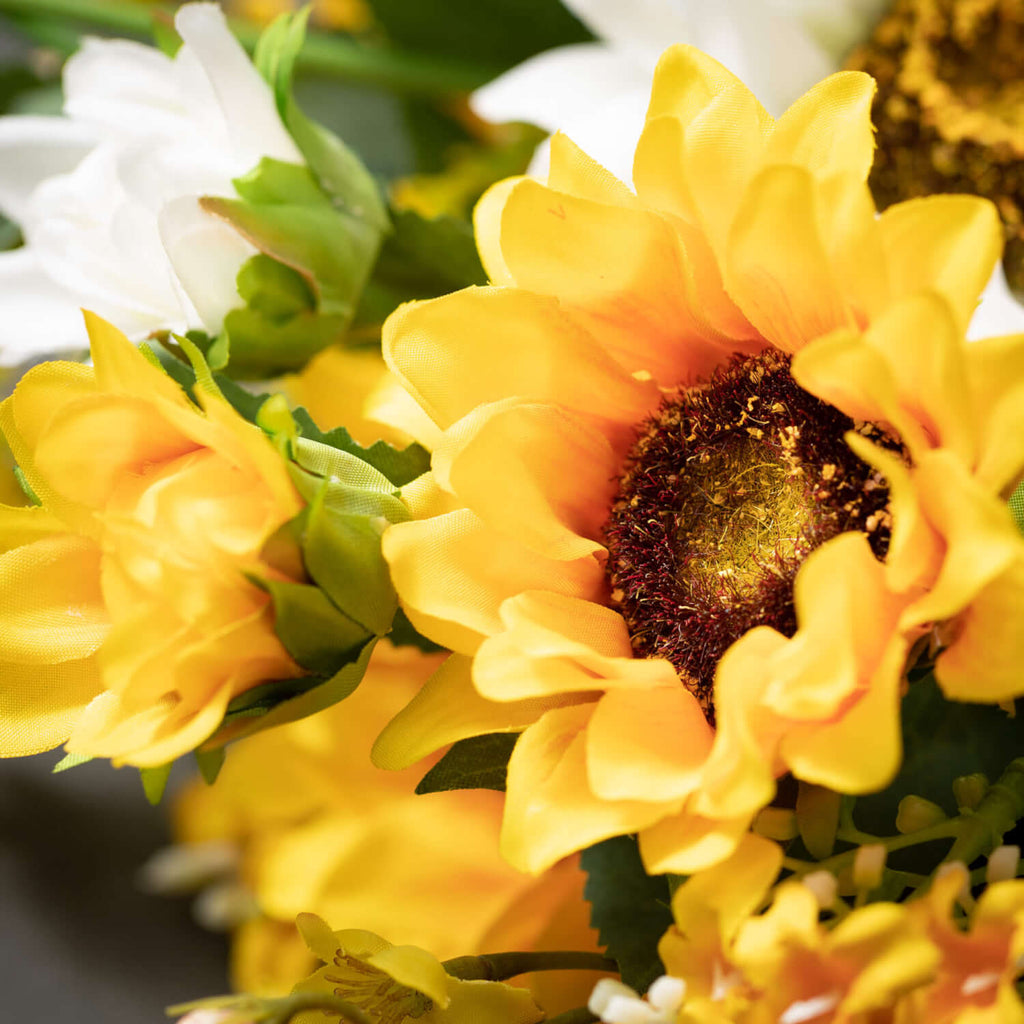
(25, 486)
(629, 908)
(165, 35)
(319, 636)
(480, 762)
(154, 781)
(70, 761)
(209, 763)
(1017, 506)
(400, 465)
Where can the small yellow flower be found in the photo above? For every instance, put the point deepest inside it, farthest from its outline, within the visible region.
(712, 458)
(127, 621)
(397, 983)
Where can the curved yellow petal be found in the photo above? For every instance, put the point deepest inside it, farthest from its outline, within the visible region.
(776, 265)
(947, 243)
(533, 350)
(453, 572)
(446, 710)
(574, 172)
(995, 370)
(550, 810)
(534, 472)
(487, 230)
(686, 843)
(647, 744)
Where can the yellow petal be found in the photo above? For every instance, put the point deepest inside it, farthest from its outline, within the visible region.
(573, 171)
(947, 243)
(828, 130)
(533, 351)
(553, 643)
(51, 607)
(487, 229)
(447, 709)
(318, 936)
(414, 968)
(452, 573)
(777, 268)
(686, 843)
(475, 1001)
(647, 744)
(40, 704)
(550, 810)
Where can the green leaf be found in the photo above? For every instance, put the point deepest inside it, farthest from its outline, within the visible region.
(342, 554)
(421, 259)
(165, 35)
(26, 487)
(479, 762)
(154, 781)
(70, 761)
(942, 740)
(629, 908)
(399, 465)
(210, 763)
(404, 634)
(1017, 506)
(315, 633)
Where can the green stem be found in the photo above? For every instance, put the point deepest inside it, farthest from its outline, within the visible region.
(287, 1008)
(499, 966)
(322, 53)
(983, 828)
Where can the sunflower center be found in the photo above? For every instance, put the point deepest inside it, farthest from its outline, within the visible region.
(726, 491)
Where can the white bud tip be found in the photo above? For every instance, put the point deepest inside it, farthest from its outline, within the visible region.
(667, 994)
(824, 886)
(1002, 864)
(868, 865)
(603, 992)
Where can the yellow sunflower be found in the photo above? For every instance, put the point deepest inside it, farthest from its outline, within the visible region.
(645, 536)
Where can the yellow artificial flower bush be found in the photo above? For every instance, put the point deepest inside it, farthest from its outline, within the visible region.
(321, 830)
(127, 621)
(714, 458)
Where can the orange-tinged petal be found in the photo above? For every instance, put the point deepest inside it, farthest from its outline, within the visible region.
(532, 351)
(647, 744)
(447, 709)
(534, 472)
(39, 704)
(777, 268)
(550, 810)
(828, 130)
(452, 573)
(553, 643)
(686, 843)
(51, 608)
(947, 243)
(620, 271)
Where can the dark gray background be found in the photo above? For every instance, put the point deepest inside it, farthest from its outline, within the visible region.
(79, 943)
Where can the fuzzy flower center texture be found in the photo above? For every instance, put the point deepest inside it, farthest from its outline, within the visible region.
(727, 489)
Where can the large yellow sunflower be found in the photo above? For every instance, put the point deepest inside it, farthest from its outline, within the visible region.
(714, 457)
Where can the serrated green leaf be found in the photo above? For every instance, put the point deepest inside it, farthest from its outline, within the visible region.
(320, 637)
(480, 762)
(629, 908)
(154, 781)
(399, 465)
(342, 554)
(210, 763)
(70, 761)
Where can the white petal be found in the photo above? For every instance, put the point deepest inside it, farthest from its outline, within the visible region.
(245, 98)
(37, 315)
(556, 88)
(33, 149)
(998, 311)
(206, 254)
(645, 26)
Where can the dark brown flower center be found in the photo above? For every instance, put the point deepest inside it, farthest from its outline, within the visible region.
(726, 491)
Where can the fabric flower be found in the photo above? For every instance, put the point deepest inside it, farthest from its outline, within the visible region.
(107, 196)
(652, 551)
(397, 983)
(127, 621)
(322, 830)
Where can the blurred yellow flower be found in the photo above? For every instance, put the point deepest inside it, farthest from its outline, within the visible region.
(397, 983)
(659, 533)
(322, 830)
(348, 15)
(127, 622)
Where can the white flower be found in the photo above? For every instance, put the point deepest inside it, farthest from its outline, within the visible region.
(107, 196)
(597, 93)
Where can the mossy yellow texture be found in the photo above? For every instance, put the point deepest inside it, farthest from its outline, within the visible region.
(127, 622)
